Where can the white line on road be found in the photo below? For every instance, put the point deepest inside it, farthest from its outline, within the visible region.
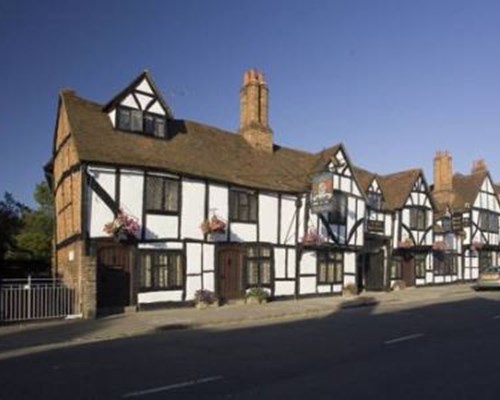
(170, 387)
(404, 338)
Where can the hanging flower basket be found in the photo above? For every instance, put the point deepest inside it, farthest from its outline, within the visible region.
(405, 243)
(123, 228)
(439, 245)
(213, 225)
(312, 238)
(476, 245)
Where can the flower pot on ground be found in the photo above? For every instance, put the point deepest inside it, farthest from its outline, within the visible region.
(351, 289)
(205, 298)
(398, 285)
(257, 295)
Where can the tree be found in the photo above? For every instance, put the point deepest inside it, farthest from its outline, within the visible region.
(11, 212)
(34, 240)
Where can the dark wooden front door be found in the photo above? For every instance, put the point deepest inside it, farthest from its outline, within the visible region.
(113, 276)
(408, 271)
(230, 274)
(374, 271)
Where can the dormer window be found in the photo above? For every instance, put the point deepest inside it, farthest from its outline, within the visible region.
(140, 121)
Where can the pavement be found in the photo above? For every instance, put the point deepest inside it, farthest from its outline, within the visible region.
(25, 338)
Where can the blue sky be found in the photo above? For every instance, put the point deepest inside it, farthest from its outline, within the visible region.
(394, 80)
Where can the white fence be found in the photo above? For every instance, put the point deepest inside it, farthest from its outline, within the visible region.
(32, 299)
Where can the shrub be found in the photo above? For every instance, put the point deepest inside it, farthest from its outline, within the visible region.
(205, 296)
(259, 294)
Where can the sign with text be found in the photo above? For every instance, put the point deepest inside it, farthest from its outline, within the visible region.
(322, 193)
(374, 226)
(457, 222)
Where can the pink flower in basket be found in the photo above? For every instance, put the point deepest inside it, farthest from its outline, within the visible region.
(439, 245)
(312, 238)
(213, 225)
(123, 223)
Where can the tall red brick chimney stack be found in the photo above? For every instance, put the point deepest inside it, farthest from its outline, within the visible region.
(478, 166)
(254, 105)
(443, 178)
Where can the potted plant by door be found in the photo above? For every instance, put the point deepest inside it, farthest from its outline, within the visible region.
(256, 295)
(204, 298)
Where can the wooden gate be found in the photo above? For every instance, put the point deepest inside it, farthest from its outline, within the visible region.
(114, 288)
(230, 277)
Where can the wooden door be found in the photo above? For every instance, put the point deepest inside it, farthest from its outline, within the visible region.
(408, 271)
(230, 274)
(374, 271)
(113, 276)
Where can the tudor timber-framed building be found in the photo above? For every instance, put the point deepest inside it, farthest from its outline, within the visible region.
(174, 176)
(132, 156)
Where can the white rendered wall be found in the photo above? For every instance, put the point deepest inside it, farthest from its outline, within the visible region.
(99, 212)
(161, 226)
(218, 203)
(287, 228)
(193, 208)
(243, 232)
(131, 189)
(160, 296)
(268, 218)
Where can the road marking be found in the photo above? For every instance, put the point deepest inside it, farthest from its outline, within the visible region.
(170, 387)
(496, 317)
(404, 338)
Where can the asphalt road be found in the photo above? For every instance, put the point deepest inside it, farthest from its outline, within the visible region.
(443, 351)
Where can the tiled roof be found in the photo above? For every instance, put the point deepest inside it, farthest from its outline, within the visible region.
(364, 177)
(195, 149)
(466, 188)
(397, 187)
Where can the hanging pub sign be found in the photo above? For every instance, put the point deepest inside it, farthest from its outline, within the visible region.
(322, 193)
(457, 222)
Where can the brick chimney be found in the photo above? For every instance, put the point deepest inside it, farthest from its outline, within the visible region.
(254, 103)
(443, 177)
(478, 166)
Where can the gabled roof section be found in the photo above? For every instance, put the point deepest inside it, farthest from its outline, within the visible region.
(364, 177)
(324, 157)
(466, 189)
(496, 187)
(145, 87)
(398, 186)
(336, 158)
(195, 149)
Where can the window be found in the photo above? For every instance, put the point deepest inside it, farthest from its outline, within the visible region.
(161, 270)
(242, 205)
(445, 263)
(330, 267)
(396, 268)
(162, 195)
(484, 260)
(488, 221)
(338, 216)
(140, 121)
(420, 265)
(418, 218)
(258, 261)
(375, 200)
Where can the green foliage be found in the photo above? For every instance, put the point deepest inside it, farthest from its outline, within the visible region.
(11, 212)
(34, 240)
